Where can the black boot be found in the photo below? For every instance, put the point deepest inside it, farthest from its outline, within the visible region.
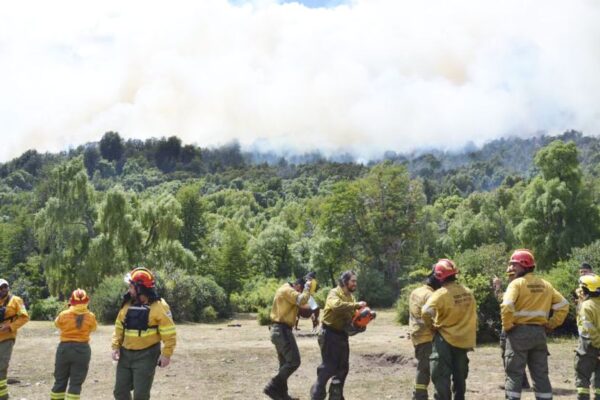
(336, 391)
(274, 390)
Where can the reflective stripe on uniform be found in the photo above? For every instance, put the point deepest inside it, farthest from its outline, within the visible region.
(534, 313)
(420, 387)
(57, 396)
(136, 333)
(71, 396)
(560, 305)
(513, 395)
(543, 395)
(597, 391)
(581, 390)
(430, 311)
(509, 304)
(588, 325)
(3, 382)
(4, 392)
(166, 330)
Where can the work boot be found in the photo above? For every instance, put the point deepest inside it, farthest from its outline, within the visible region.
(273, 390)
(336, 390)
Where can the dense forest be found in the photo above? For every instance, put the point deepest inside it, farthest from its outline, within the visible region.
(223, 227)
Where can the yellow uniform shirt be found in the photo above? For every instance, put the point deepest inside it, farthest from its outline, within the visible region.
(160, 327)
(339, 309)
(528, 301)
(285, 304)
(452, 311)
(15, 316)
(419, 333)
(588, 320)
(66, 322)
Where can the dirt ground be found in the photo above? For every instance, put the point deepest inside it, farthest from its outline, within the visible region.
(234, 359)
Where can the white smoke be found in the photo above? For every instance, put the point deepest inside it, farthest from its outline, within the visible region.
(366, 76)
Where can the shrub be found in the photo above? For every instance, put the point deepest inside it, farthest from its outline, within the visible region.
(321, 296)
(208, 314)
(565, 281)
(106, 300)
(264, 316)
(257, 294)
(46, 309)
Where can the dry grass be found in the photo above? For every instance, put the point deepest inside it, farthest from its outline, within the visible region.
(217, 361)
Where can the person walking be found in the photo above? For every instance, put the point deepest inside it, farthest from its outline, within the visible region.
(284, 312)
(333, 338)
(73, 353)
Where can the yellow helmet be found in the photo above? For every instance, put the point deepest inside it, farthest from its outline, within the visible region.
(590, 282)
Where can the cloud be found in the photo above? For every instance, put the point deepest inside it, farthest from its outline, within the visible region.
(364, 76)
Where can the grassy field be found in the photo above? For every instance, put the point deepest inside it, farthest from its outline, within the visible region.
(234, 360)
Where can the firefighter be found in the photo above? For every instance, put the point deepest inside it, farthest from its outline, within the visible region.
(497, 284)
(451, 312)
(421, 335)
(525, 311)
(73, 353)
(142, 323)
(284, 311)
(587, 364)
(311, 309)
(13, 315)
(340, 307)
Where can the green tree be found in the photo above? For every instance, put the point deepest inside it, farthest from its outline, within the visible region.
(111, 146)
(65, 226)
(232, 261)
(558, 212)
(194, 226)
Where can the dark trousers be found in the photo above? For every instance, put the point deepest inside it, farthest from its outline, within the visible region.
(70, 369)
(422, 354)
(335, 355)
(135, 371)
(587, 370)
(6, 348)
(525, 383)
(287, 353)
(449, 370)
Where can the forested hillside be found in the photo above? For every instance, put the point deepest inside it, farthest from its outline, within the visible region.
(223, 227)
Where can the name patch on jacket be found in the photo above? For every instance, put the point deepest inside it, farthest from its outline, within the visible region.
(463, 298)
(533, 288)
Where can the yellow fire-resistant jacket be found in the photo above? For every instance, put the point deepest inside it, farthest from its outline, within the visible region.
(528, 301)
(285, 304)
(160, 327)
(419, 333)
(452, 311)
(588, 320)
(339, 309)
(15, 316)
(66, 322)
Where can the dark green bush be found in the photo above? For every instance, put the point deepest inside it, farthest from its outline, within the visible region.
(106, 300)
(257, 294)
(46, 309)
(264, 316)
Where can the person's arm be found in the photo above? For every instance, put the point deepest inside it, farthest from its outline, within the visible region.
(167, 332)
(560, 308)
(430, 311)
(588, 329)
(336, 304)
(22, 317)
(93, 322)
(118, 333)
(507, 308)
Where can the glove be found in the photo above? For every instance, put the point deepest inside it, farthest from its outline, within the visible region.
(307, 285)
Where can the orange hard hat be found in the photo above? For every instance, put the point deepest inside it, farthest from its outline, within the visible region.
(79, 296)
(443, 269)
(141, 276)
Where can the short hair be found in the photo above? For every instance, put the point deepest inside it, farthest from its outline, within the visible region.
(300, 281)
(585, 265)
(345, 277)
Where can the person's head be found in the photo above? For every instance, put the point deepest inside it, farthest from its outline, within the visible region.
(141, 285)
(348, 281)
(4, 288)
(445, 271)
(522, 261)
(585, 269)
(78, 297)
(590, 284)
(432, 281)
(299, 284)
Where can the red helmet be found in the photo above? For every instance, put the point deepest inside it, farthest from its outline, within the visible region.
(443, 269)
(79, 296)
(141, 276)
(523, 257)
